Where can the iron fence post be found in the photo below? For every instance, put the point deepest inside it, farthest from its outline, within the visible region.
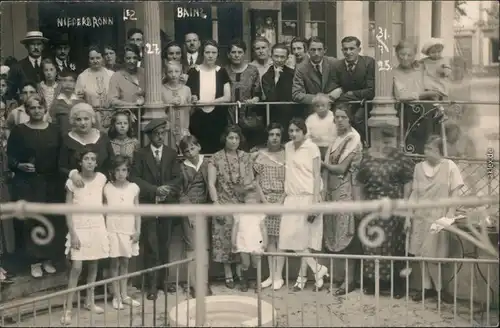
(201, 261)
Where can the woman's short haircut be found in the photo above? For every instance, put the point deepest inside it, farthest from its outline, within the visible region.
(320, 98)
(347, 109)
(406, 44)
(67, 73)
(207, 43)
(238, 43)
(96, 48)
(232, 129)
(298, 39)
(300, 123)
(273, 126)
(82, 107)
(133, 31)
(436, 141)
(29, 83)
(133, 48)
(116, 162)
(187, 141)
(171, 44)
(112, 133)
(47, 61)
(40, 99)
(79, 154)
(260, 39)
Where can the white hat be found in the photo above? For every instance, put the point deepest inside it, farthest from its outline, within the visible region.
(431, 43)
(34, 35)
(4, 70)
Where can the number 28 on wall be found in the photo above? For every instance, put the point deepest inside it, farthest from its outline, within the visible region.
(152, 48)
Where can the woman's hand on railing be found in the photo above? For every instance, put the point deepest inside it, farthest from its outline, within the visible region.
(194, 99)
(251, 101)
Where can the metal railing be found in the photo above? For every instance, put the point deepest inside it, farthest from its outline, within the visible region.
(383, 208)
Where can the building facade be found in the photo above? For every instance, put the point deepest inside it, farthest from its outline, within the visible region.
(88, 23)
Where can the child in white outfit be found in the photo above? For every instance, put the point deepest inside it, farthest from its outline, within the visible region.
(436, 69)
(87, 239)
(123, 229)
(320, 124)
(249, 236)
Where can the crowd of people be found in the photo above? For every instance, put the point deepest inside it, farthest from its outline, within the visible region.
(66, 137)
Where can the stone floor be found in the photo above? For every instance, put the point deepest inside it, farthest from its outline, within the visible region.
(307, 308)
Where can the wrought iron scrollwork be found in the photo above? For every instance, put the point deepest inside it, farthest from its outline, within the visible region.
(41, 234)
(437, 111)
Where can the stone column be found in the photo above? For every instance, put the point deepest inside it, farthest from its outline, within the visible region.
(383, 113)
(153, 106)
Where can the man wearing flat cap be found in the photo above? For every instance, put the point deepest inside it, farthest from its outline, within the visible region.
(157, 172)
(29, 68)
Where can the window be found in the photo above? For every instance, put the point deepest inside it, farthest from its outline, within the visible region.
(494, 45)
(289, 21)
(315, 19)
(398, 24)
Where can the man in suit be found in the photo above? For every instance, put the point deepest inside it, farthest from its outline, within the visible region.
(354, 80)
(157, 173)
(61, 54)
(277, 86)
(192, 57)
(136, 36)
(29, 68)
(313, 76)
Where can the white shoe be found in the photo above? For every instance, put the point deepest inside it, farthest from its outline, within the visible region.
(319, 275)
(278, 284)
(94, 308)
(48, 267)
(117, 304)
(66, 318)
(36, 270)
(300, 284)
(266, 283)
(130, 301)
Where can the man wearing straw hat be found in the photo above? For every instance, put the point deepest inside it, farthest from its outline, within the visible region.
(29, 68)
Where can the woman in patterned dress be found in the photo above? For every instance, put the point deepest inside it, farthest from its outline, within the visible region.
(340, 167)
(121, 134)
(230, 173)
(385, 172)
(269, 167)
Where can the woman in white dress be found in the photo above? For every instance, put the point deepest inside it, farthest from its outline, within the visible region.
(301, 232)
(87, 238)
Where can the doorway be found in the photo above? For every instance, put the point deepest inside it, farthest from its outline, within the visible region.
(85, 24)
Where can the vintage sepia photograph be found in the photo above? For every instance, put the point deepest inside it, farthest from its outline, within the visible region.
(249, 163)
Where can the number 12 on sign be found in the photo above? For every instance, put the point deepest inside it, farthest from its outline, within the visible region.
(152, 48)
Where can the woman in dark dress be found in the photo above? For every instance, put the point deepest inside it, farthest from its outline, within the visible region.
(385, 172)
(32, 150)
(209, 83)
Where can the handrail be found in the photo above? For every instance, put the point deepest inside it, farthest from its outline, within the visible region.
(470, 160)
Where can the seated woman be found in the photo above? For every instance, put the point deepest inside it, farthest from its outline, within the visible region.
(209, 83)
(434, 178)
(32, 150)
(385, 172)
(341, 165)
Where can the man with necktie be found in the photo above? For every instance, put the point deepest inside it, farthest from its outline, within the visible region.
(277, 87)
(62, 49)
(354, 80)
(314, 75)
(192, 57)
(29, 68)
(156, 171)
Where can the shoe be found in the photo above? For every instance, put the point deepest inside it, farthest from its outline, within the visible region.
(4, 279)
(230, 283)
(277, 284)
(130, 301)
(300, 284)
(48, 267)
(266, 283)
(427, 293)
(117, 304)
(66, 318)
(152, 296)
(171, 288)
(319, 277)
(243, 284)
(36, 270)
(369, 290)
(343, 290)
(94, 308)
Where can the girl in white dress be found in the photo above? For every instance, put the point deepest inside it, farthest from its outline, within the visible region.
(301, 232)
(123, 229)
(87, 239)
(249, 236)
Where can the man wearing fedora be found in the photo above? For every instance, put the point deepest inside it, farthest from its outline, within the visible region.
(29, 68)
(157, 172)
(61, 54)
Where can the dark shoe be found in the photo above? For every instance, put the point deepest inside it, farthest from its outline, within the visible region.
(370, 290)
(428, 293)
(192, 292)
(343, 290)
(399, 293)
(152, 296)
(209, 291)
(171, 288)
(243, 285)
(230, 283)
